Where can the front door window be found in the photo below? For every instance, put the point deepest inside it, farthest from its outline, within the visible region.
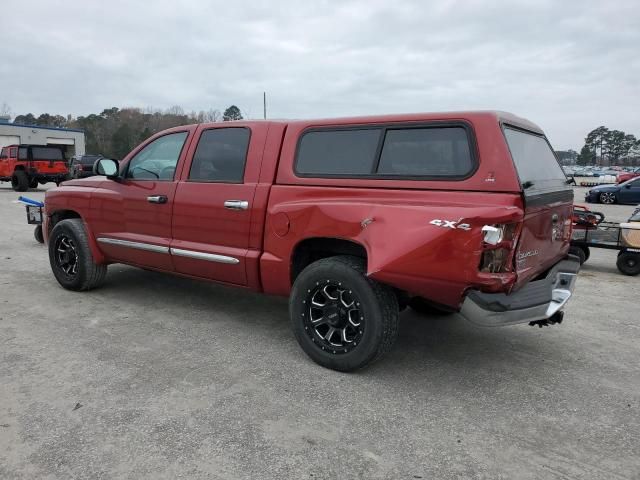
(157, 161)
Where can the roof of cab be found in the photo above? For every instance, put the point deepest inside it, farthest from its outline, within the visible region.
(498, 116)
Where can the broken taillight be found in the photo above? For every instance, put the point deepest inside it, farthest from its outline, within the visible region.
(498, 244)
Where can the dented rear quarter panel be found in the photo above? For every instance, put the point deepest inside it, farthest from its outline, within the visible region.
(403, 248)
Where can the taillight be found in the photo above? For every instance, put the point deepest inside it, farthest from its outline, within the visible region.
(498, 244)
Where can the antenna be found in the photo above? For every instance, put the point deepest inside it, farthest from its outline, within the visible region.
(264, 104)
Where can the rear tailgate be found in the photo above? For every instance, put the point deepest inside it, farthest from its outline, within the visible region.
(50, 167)
(48, 160)
(548, 201)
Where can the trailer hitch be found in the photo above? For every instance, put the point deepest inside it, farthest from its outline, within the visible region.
(556, 318)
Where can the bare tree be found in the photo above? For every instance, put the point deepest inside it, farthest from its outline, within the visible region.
(175, 110)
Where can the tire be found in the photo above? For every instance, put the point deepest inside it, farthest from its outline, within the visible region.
(425, 307)
(363, 313)
(37, 234)
(20, 181)
(578, 252)
(607, 198)
(403, 300)
(70, 257)
(587, 253)
(33, 183)
(629, 263)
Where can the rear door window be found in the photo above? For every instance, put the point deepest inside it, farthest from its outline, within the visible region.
(221, 155)
(535, 162)
(23, 153)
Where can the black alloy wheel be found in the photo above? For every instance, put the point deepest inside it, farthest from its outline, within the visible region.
(71, 259)
(342, 319)
(66, 255)
(334, 320)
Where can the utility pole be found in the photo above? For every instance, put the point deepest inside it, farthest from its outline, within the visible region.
(264, 104)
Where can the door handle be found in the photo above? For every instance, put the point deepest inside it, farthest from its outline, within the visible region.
(236, 204)
(157, 199)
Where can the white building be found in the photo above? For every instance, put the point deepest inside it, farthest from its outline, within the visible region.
(71, 140)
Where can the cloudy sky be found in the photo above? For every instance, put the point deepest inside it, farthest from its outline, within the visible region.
(570, 66)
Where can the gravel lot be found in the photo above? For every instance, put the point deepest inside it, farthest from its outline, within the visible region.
(160, 377)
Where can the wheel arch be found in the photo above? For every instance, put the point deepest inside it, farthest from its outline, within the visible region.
(65, 214)
(311, 249)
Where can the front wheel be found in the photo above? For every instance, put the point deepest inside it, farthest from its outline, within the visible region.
(628, 263)
(342, 319)
(607, 198)
(71, 259)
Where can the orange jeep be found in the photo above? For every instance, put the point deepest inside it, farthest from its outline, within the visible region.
(27, 165)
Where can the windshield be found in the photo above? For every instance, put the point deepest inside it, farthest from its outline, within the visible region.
(537, 167)
(89, 159)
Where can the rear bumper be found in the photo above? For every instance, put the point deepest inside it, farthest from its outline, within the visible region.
(51, 177)
(537, 300)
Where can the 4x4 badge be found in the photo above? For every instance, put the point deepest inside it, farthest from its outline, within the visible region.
(450, 224)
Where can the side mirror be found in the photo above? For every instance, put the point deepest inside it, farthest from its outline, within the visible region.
(106, 166)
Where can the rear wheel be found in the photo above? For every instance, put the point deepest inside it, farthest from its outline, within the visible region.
(33, 183)
(20, 181)
(70, 257)
(342, 319)
(579, 252)
(628, 263)
(607, 197)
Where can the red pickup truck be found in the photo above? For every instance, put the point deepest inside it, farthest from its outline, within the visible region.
(352, 218)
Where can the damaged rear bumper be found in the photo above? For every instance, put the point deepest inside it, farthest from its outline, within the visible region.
(537, 300)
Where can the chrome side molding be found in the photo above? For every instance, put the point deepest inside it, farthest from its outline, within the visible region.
(210, 257)
(137, 245)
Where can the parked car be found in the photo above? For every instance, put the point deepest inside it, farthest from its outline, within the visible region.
(351, 218)
(627, 192)
(624, 176)
(26, 166)
(81, 166)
